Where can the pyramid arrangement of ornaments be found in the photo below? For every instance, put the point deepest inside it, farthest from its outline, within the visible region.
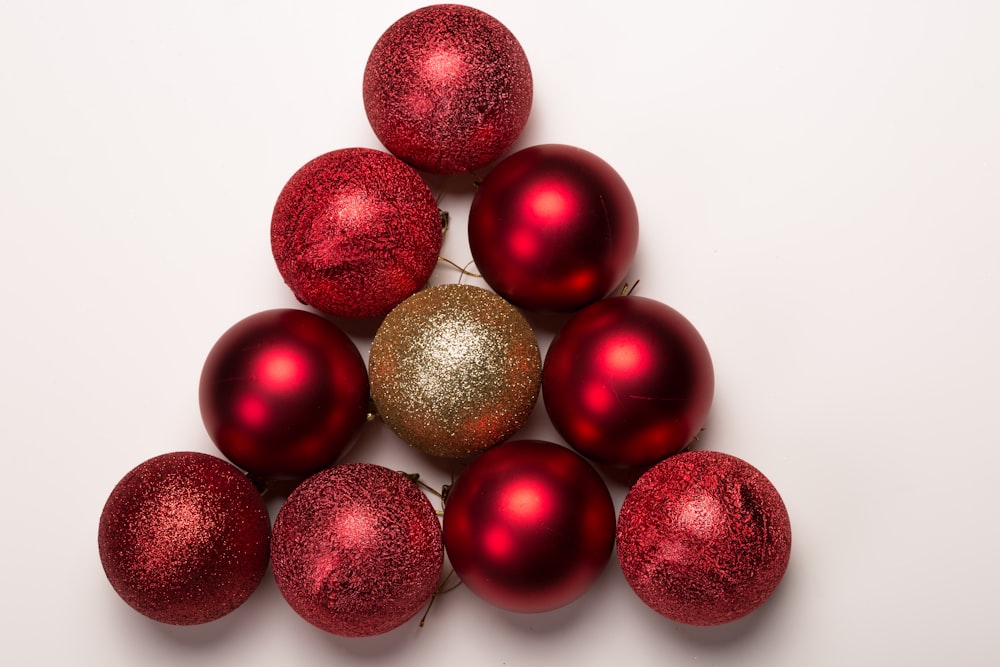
(454, 370)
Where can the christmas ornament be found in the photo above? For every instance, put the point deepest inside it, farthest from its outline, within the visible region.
(703, 538)
(447, 88)
(354, 232)
(183, 538)
(284, 393)
(529, 526)
(628, 381)
(357, 550)
(553, 228)
(454, 370)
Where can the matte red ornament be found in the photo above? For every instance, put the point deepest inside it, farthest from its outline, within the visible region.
(553, 228)
(447, 88)
(284, 393)
(628, 381)
(183, 538)
(529, 526)
(703, 538)
(354, 232)
(357, 550)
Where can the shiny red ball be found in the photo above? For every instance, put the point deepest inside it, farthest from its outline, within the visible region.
(284, 393)
(447, 88)
(529, 526)
(354, 232)
(183, 538)
(628, 381)
(357, 550)
(703, 538)
(553, 228)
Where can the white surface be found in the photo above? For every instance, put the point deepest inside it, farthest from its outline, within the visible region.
(818, 190)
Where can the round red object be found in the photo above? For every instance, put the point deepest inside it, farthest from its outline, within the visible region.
(529, 526)
(183, 538)
(703, 538)
(447, 88)
(357, 550)
(628, 381)
(354, 232)
(284, 393)
(553, 228)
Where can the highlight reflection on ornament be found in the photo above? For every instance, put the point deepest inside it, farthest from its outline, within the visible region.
(447, 88)
(283, 393)
(553, 227)
(703, 538)
(454, 370)
(628, 381)
(529, 526)
(184, 538)
(357, 549)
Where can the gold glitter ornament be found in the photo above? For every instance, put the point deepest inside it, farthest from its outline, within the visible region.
(454, 370)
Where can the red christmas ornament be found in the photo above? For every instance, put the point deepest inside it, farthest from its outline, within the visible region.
(183, 538)
(529, 526)
(447, 88)
(628, 381)
(703, 538)
(357, 550)
(284, 393)
(553, 228)
(354, 232)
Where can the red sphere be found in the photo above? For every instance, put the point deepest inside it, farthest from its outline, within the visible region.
(184, 538)
(529, 526)
(357, 550)
(354, 232)
(553, 228)
(284, 393)
(628, 381)
(447, 88)
(703, 538)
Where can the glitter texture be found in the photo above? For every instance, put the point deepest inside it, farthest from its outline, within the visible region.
(354, 232)
(703, 538)
(184, 538)
(357, 550)
(454, 370)
(447, 88)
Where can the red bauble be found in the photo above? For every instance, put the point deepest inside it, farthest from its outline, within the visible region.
(554, 228)
(529, 526)
(447, 88)
(357, 550)
(354, 232)
(628, 381)
(703, 538)
(184, 538)
(284, 393)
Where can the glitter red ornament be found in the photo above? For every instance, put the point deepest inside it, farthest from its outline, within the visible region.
(553, 227)
(447, 88)
(283, 393)
(357, 550)
(703, 538)
(628, 381)
(354, 232)
(529, 526)
(183, 538)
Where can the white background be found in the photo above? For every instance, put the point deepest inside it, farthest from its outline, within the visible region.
(819, 192)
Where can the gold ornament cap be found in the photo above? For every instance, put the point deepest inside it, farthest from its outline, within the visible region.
(454, 370)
